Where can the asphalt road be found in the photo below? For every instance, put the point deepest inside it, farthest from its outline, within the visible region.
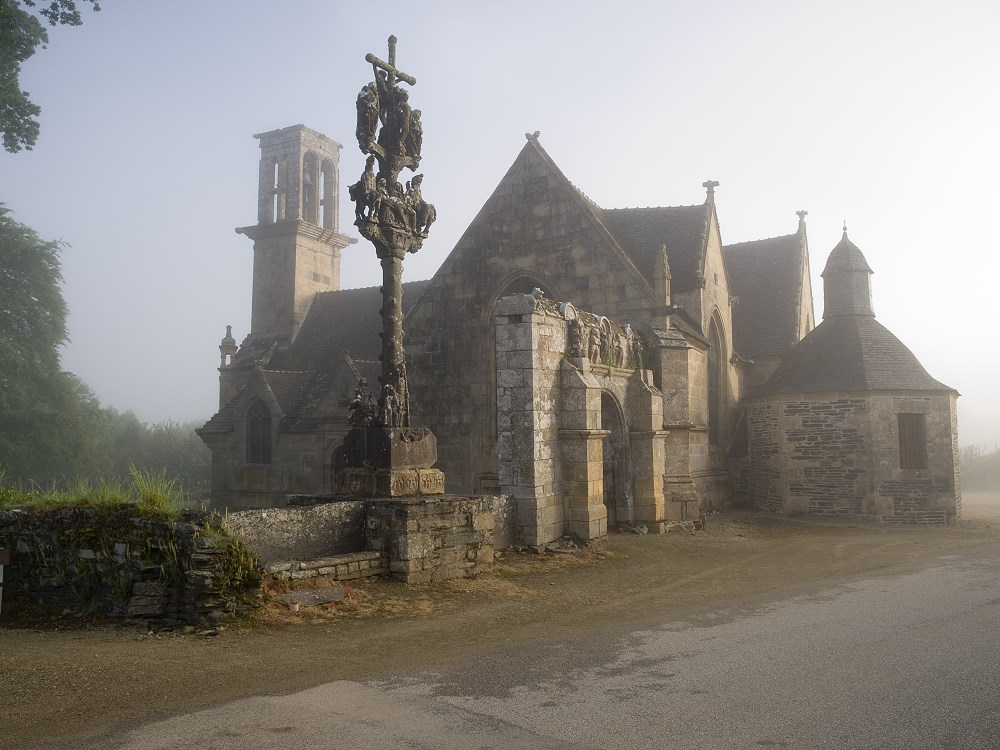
(910, 662)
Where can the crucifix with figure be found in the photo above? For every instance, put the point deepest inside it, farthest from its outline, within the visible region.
(396, 220)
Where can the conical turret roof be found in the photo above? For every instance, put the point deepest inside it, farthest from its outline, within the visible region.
(849, 350)
(846, 256)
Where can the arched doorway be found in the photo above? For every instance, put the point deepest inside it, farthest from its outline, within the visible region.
(614, 459)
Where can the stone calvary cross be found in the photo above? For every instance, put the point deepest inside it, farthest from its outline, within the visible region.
(383, 453)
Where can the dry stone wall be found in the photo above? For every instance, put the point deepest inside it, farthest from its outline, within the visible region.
(114, 562)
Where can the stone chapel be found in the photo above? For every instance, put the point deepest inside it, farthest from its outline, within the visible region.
(664, 417)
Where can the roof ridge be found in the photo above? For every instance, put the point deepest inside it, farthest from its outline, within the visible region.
(763, 239)
(367, 288)
(586, 197)
(654, 208)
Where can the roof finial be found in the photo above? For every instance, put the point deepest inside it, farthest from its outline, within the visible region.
(533, 136)
(845, 228)
(711, 185)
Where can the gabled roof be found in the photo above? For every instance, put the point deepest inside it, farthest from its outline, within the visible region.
(341, 329)
(642, 231)
(763, 275)
(850, 353)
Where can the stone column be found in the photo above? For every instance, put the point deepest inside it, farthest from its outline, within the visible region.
(583, 482)
(648, 446)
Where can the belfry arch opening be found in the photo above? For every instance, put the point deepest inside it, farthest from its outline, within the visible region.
(328, 195)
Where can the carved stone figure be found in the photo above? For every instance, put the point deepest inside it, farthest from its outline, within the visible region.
(362, 410)
(381, 195)
(395, 210)
(618, 349)
(594, 349)
(363, 192)
(415, 138)
(392, 136)
(425, 213)
(637, 352)
(577, 339)
(368, 117)
(605, 345)
(390, 407)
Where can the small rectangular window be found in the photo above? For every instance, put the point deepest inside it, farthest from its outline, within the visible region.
(912, 441)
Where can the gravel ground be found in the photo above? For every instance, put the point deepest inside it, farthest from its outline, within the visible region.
(65, 680)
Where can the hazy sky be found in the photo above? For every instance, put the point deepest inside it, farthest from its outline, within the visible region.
(877, 112)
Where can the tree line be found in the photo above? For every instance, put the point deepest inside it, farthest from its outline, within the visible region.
(53, 429)
(980, 470)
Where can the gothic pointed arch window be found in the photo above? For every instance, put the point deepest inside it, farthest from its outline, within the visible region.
(715, 376)
(258, 433)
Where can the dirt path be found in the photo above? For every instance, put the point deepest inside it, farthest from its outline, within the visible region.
(62, 683)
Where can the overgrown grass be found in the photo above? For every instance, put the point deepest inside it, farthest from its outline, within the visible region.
(153, 494)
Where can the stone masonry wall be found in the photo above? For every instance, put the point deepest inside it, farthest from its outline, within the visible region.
(837, 454)
(827, 456)
(928, 495)
(433, 538)
(765, 490)
(119, 564)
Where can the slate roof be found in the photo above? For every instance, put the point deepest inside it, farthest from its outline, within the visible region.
(764, 274)
(850, 353)
(344, 322)
(641, 231)
(846, 256)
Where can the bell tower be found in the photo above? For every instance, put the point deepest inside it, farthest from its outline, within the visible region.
(296, 240)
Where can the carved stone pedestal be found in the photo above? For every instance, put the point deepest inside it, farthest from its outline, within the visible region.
(384, 462)
(390, 482)
(379, 447)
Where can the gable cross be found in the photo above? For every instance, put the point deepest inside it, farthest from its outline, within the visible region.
(711, 185)
(390, 67)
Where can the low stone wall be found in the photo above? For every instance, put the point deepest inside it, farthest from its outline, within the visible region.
(339, 568)
(111, 561)
(433, 538)
(309, 528)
